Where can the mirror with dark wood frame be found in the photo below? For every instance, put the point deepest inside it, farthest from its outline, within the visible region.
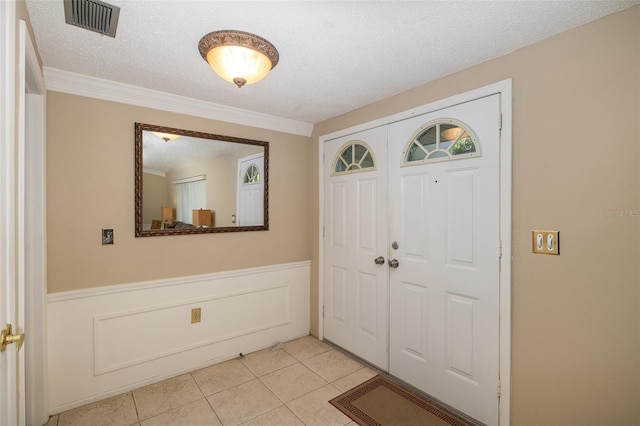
(189, 182)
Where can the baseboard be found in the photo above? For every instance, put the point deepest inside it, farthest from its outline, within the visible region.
(103, 342)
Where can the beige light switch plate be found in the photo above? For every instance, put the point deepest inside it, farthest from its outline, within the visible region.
(545, 242)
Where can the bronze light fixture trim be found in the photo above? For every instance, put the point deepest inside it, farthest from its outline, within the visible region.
(238, 56)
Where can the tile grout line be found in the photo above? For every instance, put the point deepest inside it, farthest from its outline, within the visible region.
(135, 405)
(205, 396)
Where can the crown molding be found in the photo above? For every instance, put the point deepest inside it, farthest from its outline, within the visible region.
(154, 172)
(82, 85)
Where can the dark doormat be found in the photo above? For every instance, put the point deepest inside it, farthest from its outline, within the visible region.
(379, 401)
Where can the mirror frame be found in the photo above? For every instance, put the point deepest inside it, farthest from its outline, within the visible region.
(140, 232)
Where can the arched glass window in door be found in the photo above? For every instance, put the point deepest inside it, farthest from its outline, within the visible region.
(354, 156)
(440, 141)
(252, 175)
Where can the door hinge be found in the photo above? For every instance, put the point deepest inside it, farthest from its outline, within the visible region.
(500, 249)
(322, 231)
(499, 390)
(322, 311)
(500, 122)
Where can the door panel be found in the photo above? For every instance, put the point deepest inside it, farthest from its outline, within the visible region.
(366, 301)
(338, 289)
(413, 225)
(461, 336)
(367, 215)
(460, 217)
(444, 315)
(339, 222)
(356, 288)
(413, 334)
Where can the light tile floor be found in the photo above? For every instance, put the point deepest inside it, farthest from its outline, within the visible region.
(287, 386)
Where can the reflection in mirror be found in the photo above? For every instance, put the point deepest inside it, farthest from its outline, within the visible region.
(190, 182)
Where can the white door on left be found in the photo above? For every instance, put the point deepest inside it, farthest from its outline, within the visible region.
(356, 279)
(12, 392)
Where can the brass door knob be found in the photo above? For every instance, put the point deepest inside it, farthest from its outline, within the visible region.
(6, 338)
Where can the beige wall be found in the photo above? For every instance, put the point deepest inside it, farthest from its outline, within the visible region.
(90, 186)
(575, 317)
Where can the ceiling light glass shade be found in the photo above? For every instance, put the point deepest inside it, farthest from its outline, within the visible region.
(237, 56)
(236, 62)
(166, 136)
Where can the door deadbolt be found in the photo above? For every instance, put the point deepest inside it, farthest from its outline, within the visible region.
(6, 338)
(393, 263)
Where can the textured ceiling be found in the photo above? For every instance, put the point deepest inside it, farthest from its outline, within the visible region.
(335, 56)
(171, 156)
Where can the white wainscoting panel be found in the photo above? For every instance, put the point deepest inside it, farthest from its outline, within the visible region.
(110, 340)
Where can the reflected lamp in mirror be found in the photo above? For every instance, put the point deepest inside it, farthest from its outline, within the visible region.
(202, 217)
(166, 136)
(452, 133)
(168, 215)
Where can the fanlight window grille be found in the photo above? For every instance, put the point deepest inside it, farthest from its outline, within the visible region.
(252, 175)
(353, 157)
(441, 141)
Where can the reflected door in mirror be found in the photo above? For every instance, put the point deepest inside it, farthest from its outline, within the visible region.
(250, 190)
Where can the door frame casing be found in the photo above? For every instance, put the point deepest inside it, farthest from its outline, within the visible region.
(33, 225)
(505, 89)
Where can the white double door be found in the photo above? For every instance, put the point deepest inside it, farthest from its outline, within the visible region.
(432, 321)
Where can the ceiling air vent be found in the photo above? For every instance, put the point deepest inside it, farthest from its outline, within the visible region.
(92, 15)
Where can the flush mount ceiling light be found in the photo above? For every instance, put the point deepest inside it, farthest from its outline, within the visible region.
(238, 56)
